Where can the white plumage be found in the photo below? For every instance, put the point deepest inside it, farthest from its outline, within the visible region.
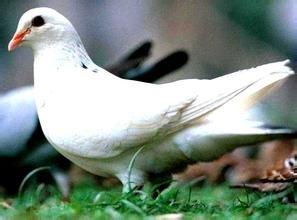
(99, 121)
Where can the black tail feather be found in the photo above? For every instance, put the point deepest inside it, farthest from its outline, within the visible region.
(163, 67)
(142, 51)
(132, 60)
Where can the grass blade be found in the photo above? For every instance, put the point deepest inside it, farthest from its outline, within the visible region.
(28, 176)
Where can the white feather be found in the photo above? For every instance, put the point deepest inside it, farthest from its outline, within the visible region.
(99, 121)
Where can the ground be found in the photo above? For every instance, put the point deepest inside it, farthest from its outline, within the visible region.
(204, 201)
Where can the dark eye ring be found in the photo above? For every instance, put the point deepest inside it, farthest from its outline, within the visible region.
(37, 21)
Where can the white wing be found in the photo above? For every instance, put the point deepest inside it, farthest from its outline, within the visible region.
(131, 114)
(141, 113)
(184, 103)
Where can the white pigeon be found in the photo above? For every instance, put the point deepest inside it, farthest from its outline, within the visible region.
(100, 121)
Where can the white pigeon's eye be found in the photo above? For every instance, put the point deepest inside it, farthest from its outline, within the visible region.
(37, 21)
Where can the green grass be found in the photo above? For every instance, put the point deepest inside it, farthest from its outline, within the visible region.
(90, 200)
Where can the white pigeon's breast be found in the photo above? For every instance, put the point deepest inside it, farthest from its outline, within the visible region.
(85, 117)
(88, 115)
(79, 127)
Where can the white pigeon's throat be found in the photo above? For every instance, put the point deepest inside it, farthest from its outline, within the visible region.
(62, 55)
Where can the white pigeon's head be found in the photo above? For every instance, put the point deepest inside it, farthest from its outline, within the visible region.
(40, 27)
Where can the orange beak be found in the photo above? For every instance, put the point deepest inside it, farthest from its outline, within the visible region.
(17, 39)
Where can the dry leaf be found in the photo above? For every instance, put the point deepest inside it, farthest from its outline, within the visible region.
(275, 161)
(279, 173)
(263, 187)
(213, 171)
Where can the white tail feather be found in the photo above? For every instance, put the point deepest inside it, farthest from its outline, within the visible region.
(270, 77)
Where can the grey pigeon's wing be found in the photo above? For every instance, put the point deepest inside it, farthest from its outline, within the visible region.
(18, 119)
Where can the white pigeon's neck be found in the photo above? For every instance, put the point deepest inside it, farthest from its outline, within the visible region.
(59, 63)
(59, 54)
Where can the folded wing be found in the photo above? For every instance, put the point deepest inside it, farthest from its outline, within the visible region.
(199, 100)
(159, 111)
